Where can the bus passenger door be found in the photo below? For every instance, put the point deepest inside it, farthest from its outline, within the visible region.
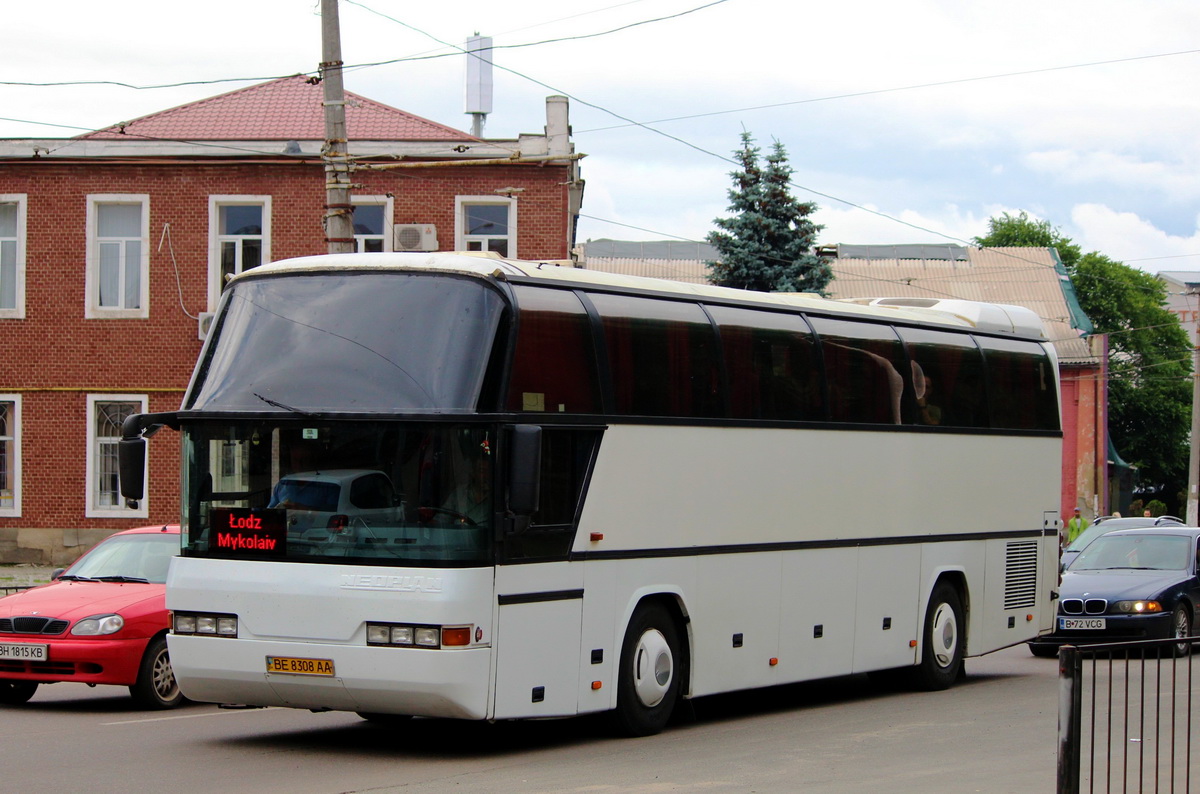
(540, 611)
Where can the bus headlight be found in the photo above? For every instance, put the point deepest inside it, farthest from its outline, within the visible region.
(412, 636)
(204, 624)
(1139, 607)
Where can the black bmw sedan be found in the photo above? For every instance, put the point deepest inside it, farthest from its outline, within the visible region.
(1130, 584)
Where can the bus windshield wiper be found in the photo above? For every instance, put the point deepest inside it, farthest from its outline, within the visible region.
(118, 578)
(70, 577)
(277, 404)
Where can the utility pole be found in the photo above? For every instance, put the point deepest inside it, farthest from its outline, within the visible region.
(1193, 498)
(339, 224)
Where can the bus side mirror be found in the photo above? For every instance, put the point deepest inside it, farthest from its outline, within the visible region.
(525, 470)
(131, 460)
(131, 451)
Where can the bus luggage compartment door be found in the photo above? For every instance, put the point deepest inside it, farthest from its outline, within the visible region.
(537, 639)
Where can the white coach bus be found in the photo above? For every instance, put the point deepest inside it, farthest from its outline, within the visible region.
(452, 486)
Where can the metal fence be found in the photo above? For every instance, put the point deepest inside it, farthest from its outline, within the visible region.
(10, 589)
(1125, 716)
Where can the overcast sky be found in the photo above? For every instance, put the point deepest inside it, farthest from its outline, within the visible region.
(904, 122)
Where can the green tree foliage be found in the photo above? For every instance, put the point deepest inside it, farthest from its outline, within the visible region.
(1149, 387)
(1022, 231)
(767, 244)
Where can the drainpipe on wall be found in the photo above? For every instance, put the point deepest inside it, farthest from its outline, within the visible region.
(1103, 491)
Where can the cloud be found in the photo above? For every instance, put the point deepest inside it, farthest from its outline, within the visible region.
(1177, 181)
(949, 224)
(1129, 238)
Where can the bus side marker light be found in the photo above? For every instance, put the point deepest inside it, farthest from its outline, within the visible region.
(596, 537)
(912, 643)
(774, 661)
(457, 635)
(597, 684)
(1028, 618)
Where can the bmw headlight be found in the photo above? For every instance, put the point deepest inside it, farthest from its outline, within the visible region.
(1138, 607)
(99, 624)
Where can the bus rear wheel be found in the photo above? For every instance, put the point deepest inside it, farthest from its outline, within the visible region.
(944, 640)
(650, 672)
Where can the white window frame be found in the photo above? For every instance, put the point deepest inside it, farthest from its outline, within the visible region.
(17, 310)
(12, 509)
(388, 205)
(462, 239)
(93, 509)
(92, 308)
(215, 238)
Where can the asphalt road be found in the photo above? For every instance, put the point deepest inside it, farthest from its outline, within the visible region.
(994, 732)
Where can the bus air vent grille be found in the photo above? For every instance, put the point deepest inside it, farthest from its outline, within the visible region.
(1020, 574)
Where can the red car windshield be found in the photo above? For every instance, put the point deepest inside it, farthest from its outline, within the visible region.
(123, 558)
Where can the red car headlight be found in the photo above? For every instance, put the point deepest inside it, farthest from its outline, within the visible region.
(99, 624)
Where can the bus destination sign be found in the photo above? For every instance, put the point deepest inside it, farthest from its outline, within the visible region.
(249, 532)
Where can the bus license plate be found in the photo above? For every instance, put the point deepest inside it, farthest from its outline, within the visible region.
(24, 652)
(293, 666)
(1081, 623)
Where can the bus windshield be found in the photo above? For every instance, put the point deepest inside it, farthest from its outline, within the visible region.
(338, 491)
(349, 341)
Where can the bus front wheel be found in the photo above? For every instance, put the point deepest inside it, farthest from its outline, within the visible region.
(944, 640)
(651, 667)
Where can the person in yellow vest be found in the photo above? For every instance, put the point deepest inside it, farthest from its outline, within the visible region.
(1075, 524)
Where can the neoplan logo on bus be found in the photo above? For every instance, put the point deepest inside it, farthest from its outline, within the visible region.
(239, 531)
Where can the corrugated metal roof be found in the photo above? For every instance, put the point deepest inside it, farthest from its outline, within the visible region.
(903, 251)
(289, 108)
(651, 249)
(689, 272)
(1026, 277)
(1183, 278)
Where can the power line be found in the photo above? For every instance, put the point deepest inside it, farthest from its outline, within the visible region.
(914, 87)
(645, 125)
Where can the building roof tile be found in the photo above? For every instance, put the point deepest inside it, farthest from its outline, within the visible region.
(289, 108)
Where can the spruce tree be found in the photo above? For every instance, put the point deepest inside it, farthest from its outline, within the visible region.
(767, 244)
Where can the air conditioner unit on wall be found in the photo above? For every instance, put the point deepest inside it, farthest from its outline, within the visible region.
(204, 325)
(415, 237)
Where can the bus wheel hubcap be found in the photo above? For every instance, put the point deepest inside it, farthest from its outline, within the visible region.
(944, 635)
(653, 668)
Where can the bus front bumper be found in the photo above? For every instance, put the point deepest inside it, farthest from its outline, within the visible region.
(420, 682)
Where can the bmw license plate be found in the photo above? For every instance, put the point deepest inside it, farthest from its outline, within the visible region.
(290, 665)
(1067, 624)
(24, 652)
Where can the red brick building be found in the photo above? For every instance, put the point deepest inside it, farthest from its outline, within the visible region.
(114, 246)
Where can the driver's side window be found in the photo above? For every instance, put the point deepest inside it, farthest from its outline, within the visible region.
(567, 456)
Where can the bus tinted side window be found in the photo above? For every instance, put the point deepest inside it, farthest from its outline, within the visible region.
(1022, 384)
(772, 364)
(567, 455)
(553, 365)
(864, 365)
(663, 357)
(947, 373)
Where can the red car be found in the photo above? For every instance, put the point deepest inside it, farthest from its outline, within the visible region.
(102, 621)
